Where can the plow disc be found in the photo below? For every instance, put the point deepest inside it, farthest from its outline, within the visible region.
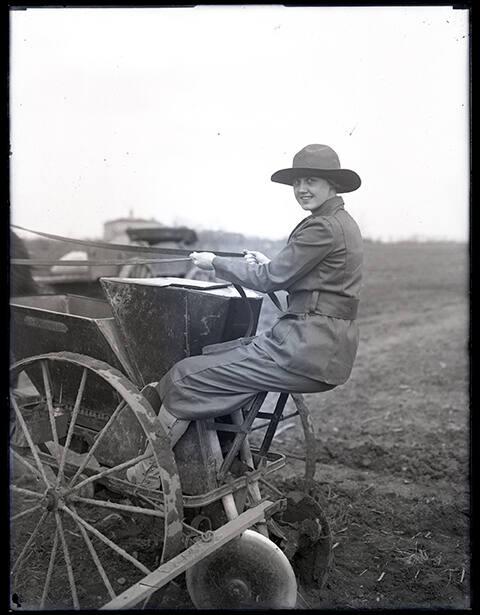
(249, 572)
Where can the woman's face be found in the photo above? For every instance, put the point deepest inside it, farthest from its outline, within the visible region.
(311, 192)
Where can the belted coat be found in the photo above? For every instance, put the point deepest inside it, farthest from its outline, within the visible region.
(323, 255)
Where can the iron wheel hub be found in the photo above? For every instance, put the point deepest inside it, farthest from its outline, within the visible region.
(238, 590)
(52, 500)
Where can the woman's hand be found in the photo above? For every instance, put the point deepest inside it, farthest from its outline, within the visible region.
(203, 260)
(255, 258)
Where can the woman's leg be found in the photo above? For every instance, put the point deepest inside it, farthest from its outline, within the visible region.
(218, 384)
(174, 427)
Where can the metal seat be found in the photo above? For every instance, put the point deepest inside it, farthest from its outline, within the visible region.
(242, 425)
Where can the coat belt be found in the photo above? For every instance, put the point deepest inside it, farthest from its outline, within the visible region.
(325, 303)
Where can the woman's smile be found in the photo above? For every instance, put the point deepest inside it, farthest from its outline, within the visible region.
(305, 198)
(312, 192)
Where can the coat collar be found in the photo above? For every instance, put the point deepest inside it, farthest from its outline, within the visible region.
(329, 207)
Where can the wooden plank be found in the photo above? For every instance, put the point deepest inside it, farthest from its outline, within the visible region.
(199, 550)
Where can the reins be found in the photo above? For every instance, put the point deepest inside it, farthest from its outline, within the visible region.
(181, 252)
(121, 247)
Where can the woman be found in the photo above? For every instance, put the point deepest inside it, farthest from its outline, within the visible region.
(312, 346)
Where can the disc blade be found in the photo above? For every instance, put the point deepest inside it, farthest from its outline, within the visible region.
(248, 572)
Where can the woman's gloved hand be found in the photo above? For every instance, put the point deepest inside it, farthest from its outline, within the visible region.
(202, 260)
(255, 258)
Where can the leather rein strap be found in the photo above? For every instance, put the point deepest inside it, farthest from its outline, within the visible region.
(246, 302)
(123, 247)
(39, 262)
(140, 261)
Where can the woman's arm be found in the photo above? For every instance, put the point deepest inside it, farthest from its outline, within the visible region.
(305, 250)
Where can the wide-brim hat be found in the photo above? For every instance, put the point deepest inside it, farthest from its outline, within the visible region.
(319, 161)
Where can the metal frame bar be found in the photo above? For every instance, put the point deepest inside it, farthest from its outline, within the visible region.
(275, 419)
(251, 414)
(226, 427)
(275, 461)
(282, 418)
(260, 415)
(269, 415)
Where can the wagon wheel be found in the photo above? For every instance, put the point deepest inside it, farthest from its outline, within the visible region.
(67, 512)
(309, 435)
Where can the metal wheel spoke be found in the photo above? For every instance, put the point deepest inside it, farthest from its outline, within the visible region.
(28, 437)
(107, 471)
(98, 439)
(115, 506)
(95, 557)
(33, 494)
(29, 542)
(136, 487)
(26, 464)
(68, 562)
(51, 411)
(48, 578)
(157, 503)
(107, 541)
(25, 512)
(76, 410)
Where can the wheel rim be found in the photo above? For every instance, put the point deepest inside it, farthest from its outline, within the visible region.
(55, 517)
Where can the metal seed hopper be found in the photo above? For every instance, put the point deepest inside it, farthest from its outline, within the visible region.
(82, 415)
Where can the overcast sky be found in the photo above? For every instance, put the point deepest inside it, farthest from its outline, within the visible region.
(184, 114)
